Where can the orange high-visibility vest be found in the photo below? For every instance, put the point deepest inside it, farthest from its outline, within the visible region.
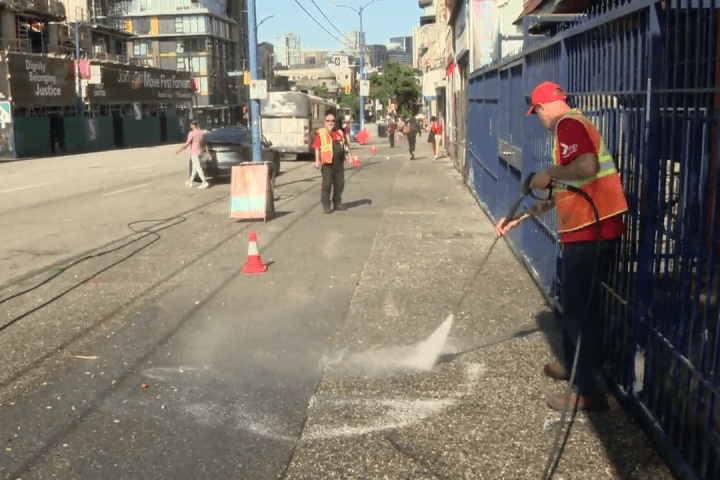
(605, 188)
(326, 147)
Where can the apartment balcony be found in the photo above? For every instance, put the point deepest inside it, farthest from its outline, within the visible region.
(46, 7)
(17, 45)
(425, 3)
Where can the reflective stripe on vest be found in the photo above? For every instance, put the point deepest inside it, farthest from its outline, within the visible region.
(326, 147)
(605, 188)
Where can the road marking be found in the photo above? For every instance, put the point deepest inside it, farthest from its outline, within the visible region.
(25, 188)
(138, 166)
(126, 190)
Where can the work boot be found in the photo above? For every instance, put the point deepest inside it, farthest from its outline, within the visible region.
(326, 209)
(556, 370)
(556, 401)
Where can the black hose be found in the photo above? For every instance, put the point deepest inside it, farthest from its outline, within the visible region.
(557, 451)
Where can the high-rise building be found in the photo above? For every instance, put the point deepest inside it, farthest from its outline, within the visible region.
(351, 42)
(378, 55)
(288, 51)
(266, 60)
(207, 38)
(400, 50)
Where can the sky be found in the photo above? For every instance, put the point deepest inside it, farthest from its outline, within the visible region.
(381, 20)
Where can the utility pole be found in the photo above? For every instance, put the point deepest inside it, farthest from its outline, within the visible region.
(362, 56)
(80, 104)
(254, 103)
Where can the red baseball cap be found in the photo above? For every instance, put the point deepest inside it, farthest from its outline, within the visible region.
(546, 92)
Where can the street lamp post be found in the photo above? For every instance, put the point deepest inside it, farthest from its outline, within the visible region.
(254, 103)
(362, 56)
(80, 104)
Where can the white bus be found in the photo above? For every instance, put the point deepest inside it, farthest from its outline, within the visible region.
(290, 120)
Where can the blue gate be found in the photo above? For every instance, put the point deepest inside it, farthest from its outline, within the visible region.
(648, 74)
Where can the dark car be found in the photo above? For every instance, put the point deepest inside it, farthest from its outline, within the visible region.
(231, 146)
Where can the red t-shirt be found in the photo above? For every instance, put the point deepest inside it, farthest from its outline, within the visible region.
(436, 128)
(574, 141)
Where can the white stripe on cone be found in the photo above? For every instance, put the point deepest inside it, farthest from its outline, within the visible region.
(253, 249)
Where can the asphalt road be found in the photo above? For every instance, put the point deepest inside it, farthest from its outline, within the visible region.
(154, 356)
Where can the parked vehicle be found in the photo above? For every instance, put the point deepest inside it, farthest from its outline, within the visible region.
(290, 120)
(231, 146)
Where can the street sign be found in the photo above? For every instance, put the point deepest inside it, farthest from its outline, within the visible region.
(235, 73)
(365, 88)
(5, 116)
(258, 89)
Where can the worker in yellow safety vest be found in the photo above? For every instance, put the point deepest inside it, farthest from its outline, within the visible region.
(580, 159)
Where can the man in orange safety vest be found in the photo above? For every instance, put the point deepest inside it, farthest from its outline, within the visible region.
(330, 147)
(580, 159)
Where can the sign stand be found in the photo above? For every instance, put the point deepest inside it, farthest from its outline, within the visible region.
(251, 195)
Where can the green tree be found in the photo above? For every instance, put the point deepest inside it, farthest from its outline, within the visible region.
(350, 100)
(322, 91)
(400, 84)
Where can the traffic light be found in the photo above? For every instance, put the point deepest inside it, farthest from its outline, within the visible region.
(348, 89)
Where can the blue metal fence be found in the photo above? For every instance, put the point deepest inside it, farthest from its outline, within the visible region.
(648, 74)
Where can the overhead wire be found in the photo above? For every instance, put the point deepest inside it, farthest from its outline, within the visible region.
(326, 18)
(314, 20)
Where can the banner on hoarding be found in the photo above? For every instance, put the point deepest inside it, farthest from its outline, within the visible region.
(125, 83)
(39, 80)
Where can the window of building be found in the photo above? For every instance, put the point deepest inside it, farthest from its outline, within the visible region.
(168, 63)
(194, 45)
(204, 86)
(142, 47)
(180, 47)
(141, 26)
(182, 64)
(167, 25)
(168, 46)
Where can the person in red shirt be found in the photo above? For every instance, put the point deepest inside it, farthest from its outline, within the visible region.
(330, 146)
(582, 160)
(435, 136)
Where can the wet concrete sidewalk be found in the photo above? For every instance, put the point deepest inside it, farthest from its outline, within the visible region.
(479, 412)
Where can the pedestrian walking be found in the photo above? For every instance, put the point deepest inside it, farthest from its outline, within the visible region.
(411, 132)
(581, 159)
(392, 128)
(435, 136)
(194, 142)
(330, 146)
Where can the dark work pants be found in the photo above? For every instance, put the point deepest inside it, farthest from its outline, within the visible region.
(578, 260)
(333, 177)
(392, 138)
(411, 143)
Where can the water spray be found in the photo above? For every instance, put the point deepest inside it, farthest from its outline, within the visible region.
(557, 448)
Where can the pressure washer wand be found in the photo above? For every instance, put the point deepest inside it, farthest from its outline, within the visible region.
(524, 190)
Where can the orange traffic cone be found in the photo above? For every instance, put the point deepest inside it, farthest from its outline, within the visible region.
(254, 263)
